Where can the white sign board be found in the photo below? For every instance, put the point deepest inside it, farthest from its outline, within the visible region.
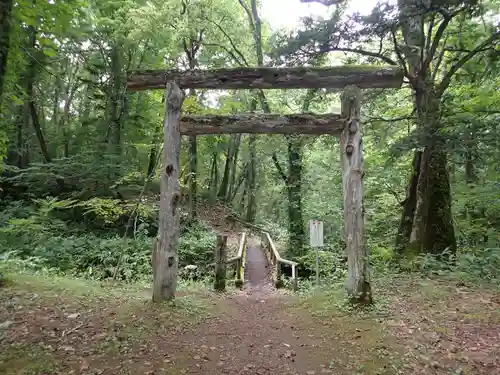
(315, 233)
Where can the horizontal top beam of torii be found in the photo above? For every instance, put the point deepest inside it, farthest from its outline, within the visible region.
(363, 76)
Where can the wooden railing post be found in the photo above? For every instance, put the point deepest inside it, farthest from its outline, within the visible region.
(220, 264)
(351, 145)
(294, 278)
(240, 262)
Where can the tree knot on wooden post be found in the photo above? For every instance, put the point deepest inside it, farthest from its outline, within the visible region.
(349, 149)
(169, 169)
(353, 125)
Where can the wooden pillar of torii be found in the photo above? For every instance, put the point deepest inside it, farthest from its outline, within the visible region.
(346, 125)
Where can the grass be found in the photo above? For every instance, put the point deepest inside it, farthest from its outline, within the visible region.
(57, 317)
(416, 326)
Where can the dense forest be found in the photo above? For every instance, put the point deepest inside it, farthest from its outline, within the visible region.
(80, 155)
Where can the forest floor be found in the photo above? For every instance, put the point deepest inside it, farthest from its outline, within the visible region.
(417, 326)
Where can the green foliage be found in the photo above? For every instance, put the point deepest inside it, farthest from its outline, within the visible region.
(332, 266)
(473, 265)
(43, 242)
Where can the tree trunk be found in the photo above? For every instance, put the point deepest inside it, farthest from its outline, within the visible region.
(166, 256)
(439, 232)
(153, 153)
(30, 112)
(232, 151)
(430, 197)
(294, 186)
(232, 179)
(220, 264)
(39, 133)
(116, 104)
(214, 177)
(193, 174)
(252, 180)
(409, 204)
(191, 49)
(351, 144)
(432, 227)
(5, 20)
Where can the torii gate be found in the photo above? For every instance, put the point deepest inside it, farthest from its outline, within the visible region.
(346, 125)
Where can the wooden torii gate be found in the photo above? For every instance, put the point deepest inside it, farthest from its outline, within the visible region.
(346, 125)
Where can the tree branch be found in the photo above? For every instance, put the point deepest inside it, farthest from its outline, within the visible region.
(244, 5)
(445, 82)
(401, 60)
(231, 42)
(435, 42)
(382, 119)
(438, 62)
(228, 51)
(360, 52)
(279, 169)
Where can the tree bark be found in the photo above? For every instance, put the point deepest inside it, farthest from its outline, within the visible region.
(39, 133)
(5, 20)
(270, 78)
(252, 180)
(166, 257)
(220, 264)
(351, 143)
(116, 100)
(153, 153)
(214, 177)
(294, 189)
(232, 172)
(409, 204)
(193, 174)
(232, 150)
(430, 197)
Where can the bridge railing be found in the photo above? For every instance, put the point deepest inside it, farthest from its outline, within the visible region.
(276, 261)
(238, 261)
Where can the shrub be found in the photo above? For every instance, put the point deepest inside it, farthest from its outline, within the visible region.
(46, 242)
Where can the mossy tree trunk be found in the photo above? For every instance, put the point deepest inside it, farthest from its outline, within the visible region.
(5, 20)
(426, 223)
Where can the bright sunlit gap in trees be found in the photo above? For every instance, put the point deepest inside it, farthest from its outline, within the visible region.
(287, 13)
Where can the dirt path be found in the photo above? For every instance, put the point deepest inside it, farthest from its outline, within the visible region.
(258, 334)
(58, 328)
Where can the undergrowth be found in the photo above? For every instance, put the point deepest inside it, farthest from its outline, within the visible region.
(35, 238)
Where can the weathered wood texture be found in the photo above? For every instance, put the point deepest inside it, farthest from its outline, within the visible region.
(351, 144)
(220, 264)
(364, 76)
(240, 261)
(263, 124)
(166, 257)
(275, 260)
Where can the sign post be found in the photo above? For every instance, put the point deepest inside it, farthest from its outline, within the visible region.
(316, 240)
